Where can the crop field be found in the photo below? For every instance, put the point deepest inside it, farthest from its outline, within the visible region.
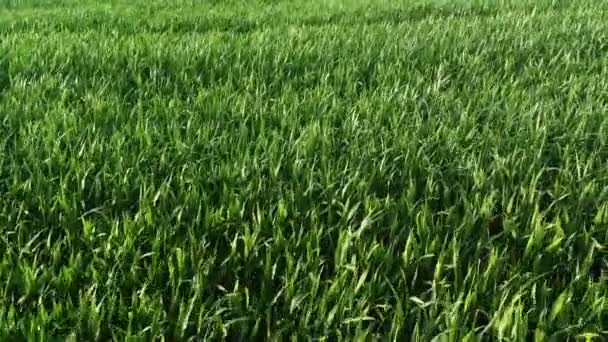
(308, 170)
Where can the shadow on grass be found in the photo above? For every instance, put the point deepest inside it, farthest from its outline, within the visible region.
(5, 80)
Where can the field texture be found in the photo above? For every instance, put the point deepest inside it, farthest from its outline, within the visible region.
(334, 170)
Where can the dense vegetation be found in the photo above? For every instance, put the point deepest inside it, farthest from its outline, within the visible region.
(334, 170)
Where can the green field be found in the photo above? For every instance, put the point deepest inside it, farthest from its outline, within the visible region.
(327, 170)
